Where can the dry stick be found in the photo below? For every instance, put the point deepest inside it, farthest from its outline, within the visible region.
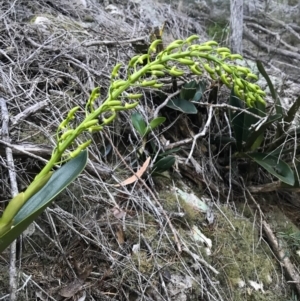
(226, 106)
(30, 150)
(197, 258)
(201, 134)
(29, 111)
(274, 186)
(39, 151)
(271, 49)
(281, 255)
(274, 34)
(108, 43)
(164, 103)
(288, 27)
(14, 191)
(151, 192)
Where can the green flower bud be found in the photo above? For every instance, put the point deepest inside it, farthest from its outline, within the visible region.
(223, 49)
(261, 100)
(142, 58)
(195, 69)
(153, 45)
(80, 148)
(174, 45)
(218, 70)
(252, 76)
(95, 128)
(158, 85)
(191, 39)
(239, 83)
(113, 103)
(157, 73)
(249, 102)
(119, 108)
(186, 62)
(63, 124)
(243, 69)
(115, 71)
(208, 69)
(66, 134)
(134, 96)
(227, 68)
(252, 87)
(225, 55)
(84, 145)
(237, 91)
(176, 72)
(203, 48)
(72, 113)
(148, 83)
(118, 83)
(211, 43)
(157, 67)
(236, 57)
(133, 60)
(110, 118)
(90, 123)
(213, 76)
(225, 80)
(176, 42)
(129, 106)
(261, 92)
(251, 96)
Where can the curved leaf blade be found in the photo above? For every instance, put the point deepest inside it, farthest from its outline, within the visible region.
(182, 105)
(275, 166)
(60, 179)
(254, 136)
(278, 104)
(199, 92)
(139, 123)
(154, 124)
(188, 90)
(289, 118)
(164, 164)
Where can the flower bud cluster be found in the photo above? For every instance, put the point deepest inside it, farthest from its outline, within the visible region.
(180, 56)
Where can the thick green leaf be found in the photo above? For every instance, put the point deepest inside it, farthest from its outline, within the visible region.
(255, 135)
(154, 124)
(170, 151)
(201, 87)
(188, 90)
(60, 179)
(139, 123)
(291, 114)
(275, 166)
(164, 164)
(249, 121)
(237, 119)
(279, 107)
(182, 105)
(277, 102)
(296, 175)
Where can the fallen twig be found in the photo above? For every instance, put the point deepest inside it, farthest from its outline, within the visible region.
(13, 281)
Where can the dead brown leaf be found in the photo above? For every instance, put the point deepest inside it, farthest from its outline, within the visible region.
(71, 289)
(137, 175)
(120, 235)
(118, 212)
